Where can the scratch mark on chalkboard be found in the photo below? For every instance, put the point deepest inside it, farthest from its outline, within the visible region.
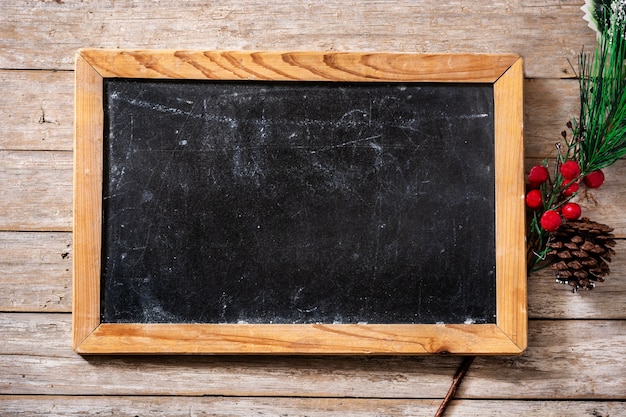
(182, 130)
(225, 301)
(250, 166)
(154, 106)
(348, 143)
(153, 311)
(473, 116)
(351, 113)
(146, 196)
(296, 299)
(129, 149)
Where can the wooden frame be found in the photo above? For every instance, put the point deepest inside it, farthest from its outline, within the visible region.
(507, 336)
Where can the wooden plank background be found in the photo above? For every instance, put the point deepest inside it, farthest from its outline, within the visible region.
(576, 361)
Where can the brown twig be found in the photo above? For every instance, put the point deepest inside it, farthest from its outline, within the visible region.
(456, 382)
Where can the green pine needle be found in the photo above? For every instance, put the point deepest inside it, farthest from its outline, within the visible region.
(600, 132)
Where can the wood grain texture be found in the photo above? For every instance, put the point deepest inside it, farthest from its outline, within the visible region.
(548, 105)
(88, 163)
(46, 34)
(551, 300)
(510, 211)
(312, 339)
(36, 192)
(117, 406)
(563, 361)
(35, 271)
(36, 110)
(567, 359)
(203, 406)
(298, 66)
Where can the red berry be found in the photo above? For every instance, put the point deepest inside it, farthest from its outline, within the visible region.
(537, 175)
(570, 170)
(534, 199)
(594, 179)
(550, 220)
(570, 190)
(571, 211)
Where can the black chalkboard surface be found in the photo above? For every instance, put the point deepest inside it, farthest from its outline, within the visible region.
(298, 202)
(262, 202)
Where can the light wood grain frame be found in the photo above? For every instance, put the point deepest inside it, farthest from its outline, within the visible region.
(507, 336)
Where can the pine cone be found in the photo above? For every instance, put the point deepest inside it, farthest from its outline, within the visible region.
(582, 251)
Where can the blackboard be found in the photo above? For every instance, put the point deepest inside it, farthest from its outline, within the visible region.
(266, 202)
(259, 202)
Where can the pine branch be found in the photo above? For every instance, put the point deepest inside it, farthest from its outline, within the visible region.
(601, 129)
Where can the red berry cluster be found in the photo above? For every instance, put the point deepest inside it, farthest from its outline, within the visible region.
(555, 209)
